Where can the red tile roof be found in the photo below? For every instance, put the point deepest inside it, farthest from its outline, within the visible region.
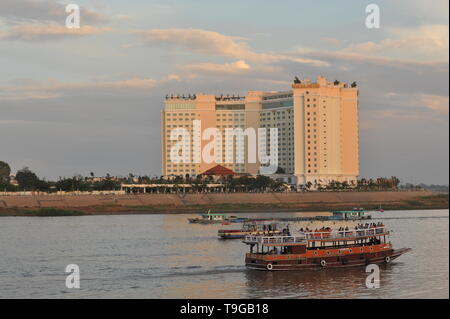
(218, 170)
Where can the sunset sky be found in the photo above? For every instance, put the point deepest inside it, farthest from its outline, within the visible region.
(89, 100)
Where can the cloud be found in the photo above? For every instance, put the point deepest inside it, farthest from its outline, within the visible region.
(14, 122)
(435, 66)
(227, 68)
(418, 103)
(54, 89)
(332, 41)
(435, 102)
(423, 42)
(216, 44)
(42, 32)
(26, 11)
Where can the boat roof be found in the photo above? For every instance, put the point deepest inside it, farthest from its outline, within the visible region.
(212, 214)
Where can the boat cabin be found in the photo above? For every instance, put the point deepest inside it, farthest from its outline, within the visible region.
(213, 217)
(260, 226)
(276, 245)
(350, 215)
(325, 240)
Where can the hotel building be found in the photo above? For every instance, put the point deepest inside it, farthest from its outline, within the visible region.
(317, 129)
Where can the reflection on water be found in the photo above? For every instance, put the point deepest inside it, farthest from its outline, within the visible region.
(163, 256)
(321, 283)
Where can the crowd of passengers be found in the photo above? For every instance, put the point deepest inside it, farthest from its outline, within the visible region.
(367, 225)
(343, 231)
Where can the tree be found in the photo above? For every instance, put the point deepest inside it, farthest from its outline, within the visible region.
(75, 183)
(27, 179)
(106, 185)
(280, 170)
(5, 171)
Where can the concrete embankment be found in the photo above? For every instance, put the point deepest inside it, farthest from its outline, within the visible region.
(236, 202)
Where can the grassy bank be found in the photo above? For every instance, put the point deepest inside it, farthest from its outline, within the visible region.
(43, 212)
(438, 201)
(426, 203)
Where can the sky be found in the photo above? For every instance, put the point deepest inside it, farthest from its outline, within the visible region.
(75, 101)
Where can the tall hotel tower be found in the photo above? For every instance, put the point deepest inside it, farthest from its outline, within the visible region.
(317, 129)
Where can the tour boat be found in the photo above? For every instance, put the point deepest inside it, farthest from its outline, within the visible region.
(254, 228)
(355, 214)
(209, 218)
(331, 249)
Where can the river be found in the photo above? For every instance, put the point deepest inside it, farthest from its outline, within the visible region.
(163, 256)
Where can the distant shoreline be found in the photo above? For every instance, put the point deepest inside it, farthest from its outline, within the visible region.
(234, 203)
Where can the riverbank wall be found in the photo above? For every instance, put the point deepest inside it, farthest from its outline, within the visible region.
(235, 202)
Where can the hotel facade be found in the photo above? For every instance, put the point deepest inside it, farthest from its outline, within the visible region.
(317, 126)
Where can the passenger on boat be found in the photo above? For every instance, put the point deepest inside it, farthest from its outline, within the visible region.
(286, 231)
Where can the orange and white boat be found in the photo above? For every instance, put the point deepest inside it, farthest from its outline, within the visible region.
(328, 249)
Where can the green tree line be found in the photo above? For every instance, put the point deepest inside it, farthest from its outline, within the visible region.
(27, 180)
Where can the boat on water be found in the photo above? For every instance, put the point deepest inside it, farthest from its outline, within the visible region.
(214, 218)
(355, 214)
(253, 228)
(325, 249)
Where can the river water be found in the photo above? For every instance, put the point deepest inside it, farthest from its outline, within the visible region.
(163, 256)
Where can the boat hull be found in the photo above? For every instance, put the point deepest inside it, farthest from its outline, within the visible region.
(353, 260)
(201, 221)
(230, 234)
